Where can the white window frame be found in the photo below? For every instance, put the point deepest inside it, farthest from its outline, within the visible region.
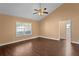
(25, 24)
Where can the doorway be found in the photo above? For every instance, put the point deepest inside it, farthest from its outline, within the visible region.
(65, 33)
(65, 29)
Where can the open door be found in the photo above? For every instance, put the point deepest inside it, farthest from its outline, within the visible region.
(68, 30)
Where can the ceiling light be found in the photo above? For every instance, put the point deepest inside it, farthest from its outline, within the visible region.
(41, 11)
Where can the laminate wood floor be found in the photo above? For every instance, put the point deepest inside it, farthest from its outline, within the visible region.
(39, 47)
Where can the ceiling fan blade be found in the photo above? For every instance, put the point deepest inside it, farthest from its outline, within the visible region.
(45, 12)
(35, 13)
(36, 9)
(45, 8)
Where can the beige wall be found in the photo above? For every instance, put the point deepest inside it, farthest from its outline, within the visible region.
(50, 24)
(49, 28)
(8, 28)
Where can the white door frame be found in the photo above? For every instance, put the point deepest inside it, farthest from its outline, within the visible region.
(65, 27)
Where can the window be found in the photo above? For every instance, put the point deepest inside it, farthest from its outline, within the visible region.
(67, 25)
(23, 29)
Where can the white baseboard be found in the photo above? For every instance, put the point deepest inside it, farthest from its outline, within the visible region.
(2, 44)
(75, 42)
(19, 40)
(49, 38)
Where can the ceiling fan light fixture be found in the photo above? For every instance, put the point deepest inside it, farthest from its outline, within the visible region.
(41, 11)
(40, 14)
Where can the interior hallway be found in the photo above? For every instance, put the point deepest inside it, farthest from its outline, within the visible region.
(40, 47)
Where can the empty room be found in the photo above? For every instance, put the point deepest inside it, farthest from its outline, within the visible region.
(39, 29)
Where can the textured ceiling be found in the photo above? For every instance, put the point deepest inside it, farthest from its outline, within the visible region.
(26, 10)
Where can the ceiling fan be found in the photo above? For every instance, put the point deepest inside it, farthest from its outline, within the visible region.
(41, 11)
